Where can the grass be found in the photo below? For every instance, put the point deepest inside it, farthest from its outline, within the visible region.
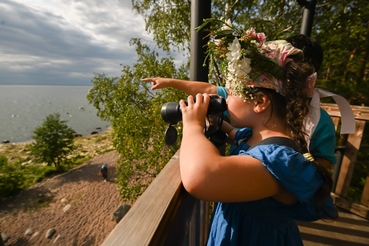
(33, 172)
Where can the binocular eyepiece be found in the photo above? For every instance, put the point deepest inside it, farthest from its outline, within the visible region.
(172, 114)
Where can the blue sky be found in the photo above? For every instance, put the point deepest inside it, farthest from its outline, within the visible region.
(63, 42)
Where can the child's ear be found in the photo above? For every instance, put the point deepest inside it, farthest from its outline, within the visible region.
(261, 103)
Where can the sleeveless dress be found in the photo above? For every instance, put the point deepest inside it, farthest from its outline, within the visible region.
(267, 221)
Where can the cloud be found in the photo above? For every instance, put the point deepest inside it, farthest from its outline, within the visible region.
(66, 41)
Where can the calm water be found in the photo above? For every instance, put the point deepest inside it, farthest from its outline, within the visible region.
(24, 107)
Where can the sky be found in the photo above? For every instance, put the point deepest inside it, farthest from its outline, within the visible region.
(64, 42)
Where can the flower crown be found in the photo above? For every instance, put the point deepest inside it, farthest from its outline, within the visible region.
(246, 60)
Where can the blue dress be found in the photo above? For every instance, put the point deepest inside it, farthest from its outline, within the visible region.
(267, 221)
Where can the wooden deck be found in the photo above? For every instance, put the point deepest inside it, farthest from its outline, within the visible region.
(348, 230)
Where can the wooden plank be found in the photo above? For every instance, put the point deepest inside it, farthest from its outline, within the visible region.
(150, 217)
(360, 112)
(365, 195)
(348, 230)
(349, 158)
(350, 206)
(335, 120)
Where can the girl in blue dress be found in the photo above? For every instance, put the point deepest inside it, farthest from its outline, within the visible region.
(273, 180)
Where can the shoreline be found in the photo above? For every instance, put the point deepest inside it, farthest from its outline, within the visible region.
(100, 131)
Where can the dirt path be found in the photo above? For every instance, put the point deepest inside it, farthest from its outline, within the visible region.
(87, 222)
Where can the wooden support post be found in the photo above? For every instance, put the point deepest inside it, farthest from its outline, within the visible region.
(349, 158)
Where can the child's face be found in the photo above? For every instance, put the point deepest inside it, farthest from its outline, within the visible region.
(240, 112)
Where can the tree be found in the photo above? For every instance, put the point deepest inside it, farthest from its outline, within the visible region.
(134, 112)
(53, 141)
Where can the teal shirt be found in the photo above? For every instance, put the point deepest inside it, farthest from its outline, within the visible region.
(323, 141)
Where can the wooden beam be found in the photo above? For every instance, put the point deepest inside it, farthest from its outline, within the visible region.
(360, 112)
(350, 206)
(365, 195)
(349, 158)
(335, 120)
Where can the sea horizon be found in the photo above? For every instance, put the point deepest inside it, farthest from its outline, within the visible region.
(25, 107)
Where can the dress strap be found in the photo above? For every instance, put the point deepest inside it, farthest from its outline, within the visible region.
(282, 141)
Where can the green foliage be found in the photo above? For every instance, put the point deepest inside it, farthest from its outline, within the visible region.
(11, 178)
(342, 28)
(134, 112)
(169, 21)
(53, 141)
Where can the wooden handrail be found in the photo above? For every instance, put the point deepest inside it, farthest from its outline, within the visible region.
(360, 112)
(165, 214)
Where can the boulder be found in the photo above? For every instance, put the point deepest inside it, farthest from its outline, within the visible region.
(93, 132)
(5, 142)
(66, 208)
(57, 238)
(3, 239)
(36, 234)
(50, 233)
(76, 134)
(29, 232)
(120, 212)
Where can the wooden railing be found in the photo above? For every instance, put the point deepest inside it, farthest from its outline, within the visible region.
(344, 170)
(166, 214)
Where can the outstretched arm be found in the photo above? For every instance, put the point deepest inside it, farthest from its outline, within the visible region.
(189, 87)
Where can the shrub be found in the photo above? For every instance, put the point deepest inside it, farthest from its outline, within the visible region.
(53, 141)
(11, 178)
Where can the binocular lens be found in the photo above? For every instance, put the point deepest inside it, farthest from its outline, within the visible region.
(171, 112)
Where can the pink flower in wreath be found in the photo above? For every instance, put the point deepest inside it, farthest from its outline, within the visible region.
(282, 57)
(251, 33)
(250, 83)
(261, 38)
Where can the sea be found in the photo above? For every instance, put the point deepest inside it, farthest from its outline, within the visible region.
(25, 107)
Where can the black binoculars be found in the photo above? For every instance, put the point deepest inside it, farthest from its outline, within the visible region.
(172, 114)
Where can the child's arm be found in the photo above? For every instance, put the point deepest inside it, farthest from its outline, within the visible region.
(227, 128)
(209, 176)
(189, 87)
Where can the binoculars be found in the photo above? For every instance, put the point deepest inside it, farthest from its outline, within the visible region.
(172, 114)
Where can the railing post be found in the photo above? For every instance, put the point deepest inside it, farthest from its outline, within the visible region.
(200, 10)
(308, 17)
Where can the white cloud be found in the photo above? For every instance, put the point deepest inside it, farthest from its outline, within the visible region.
(66, 41)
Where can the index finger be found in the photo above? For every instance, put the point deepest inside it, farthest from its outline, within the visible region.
(148, 79)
